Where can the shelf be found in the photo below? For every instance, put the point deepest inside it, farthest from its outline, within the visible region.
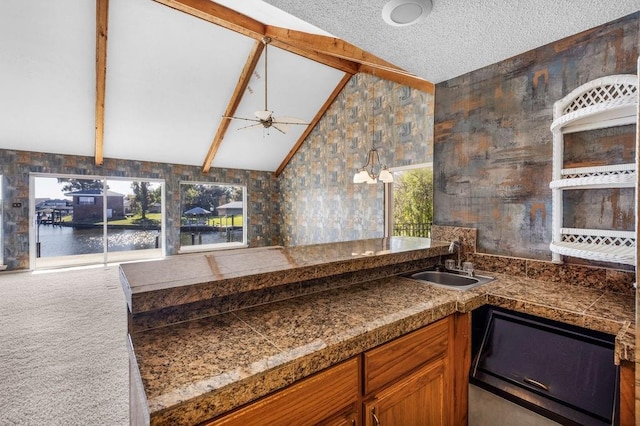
(603, 253)
(627, 181)
(597, 244)
(618, 176)
(617, 112)
(601, 103)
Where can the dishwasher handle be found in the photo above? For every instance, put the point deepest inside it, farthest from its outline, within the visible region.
(536, 383)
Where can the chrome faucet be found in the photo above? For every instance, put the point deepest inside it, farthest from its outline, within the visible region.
(453, 247)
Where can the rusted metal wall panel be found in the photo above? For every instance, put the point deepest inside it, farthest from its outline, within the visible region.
(493, 147)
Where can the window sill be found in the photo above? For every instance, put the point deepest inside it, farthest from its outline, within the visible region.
(211, 247)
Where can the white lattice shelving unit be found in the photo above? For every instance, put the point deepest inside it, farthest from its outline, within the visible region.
(605, 102)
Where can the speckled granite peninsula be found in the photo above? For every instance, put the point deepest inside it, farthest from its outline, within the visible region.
(180, 280)
(230, 327)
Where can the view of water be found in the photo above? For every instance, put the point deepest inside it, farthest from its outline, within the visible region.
(64, 241)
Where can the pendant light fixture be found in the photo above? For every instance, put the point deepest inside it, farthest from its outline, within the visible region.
(373, 171)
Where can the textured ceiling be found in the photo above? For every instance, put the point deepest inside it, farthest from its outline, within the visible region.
(459, 35)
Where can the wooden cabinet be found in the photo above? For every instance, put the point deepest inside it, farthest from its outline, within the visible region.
(351, 417)
(420, 399)
(420, 378)
(330, 397)
(395, 359)
(416, 379)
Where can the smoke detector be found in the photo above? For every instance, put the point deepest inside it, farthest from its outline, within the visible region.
(401, 13)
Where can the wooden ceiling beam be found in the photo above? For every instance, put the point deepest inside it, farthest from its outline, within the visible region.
(234, 21)
(313, 123)
(324, 44)
(338, 48)
(340, 64)
(232, 106)
(219, 15)
(404, 79)
(330, 51)
(102, 21)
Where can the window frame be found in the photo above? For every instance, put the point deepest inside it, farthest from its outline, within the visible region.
(215, 246)
(86, 201)
(388, 195)
(106, 254)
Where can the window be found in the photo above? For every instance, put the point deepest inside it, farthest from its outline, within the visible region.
(409, 205)
(86, 201)
(212, 215)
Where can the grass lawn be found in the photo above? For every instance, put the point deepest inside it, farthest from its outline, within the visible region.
(225, 221)
(135, 220)
(213, 221)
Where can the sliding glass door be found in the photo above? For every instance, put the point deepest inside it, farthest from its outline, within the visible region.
(80, 220)
(134, 219)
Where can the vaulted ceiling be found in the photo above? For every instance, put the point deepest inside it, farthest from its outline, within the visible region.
(152, 80)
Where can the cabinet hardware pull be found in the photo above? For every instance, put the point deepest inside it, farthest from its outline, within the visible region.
(536, 383)
(376, 421)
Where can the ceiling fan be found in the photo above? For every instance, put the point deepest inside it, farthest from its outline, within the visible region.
(265, 118)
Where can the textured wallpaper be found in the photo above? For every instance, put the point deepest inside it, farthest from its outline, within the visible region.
(16, 166)
(493, 147)
(319, 201)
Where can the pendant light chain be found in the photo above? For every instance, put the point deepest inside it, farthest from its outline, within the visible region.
(373, 170)
(373, 122)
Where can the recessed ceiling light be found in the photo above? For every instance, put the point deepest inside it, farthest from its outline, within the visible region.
(400, 13)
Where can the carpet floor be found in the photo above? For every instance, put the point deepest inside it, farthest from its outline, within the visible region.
(63, 353)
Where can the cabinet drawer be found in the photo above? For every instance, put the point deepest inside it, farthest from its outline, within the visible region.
(391, 361)
(308, 401)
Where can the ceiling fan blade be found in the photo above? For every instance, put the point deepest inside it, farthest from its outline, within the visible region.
(289, 120)
(263, 115)
(241, 118)
(281, 127)
(250, 125)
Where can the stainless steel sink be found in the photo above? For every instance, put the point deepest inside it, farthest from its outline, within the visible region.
(451, 279)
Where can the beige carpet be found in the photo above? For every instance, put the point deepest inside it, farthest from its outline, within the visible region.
(63, 356)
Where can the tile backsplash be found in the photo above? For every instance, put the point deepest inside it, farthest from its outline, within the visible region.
(609, 279)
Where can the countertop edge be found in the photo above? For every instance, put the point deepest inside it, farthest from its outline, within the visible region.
(194, 290)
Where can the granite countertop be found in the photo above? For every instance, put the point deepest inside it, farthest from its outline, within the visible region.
(179, 280)
(197, 369)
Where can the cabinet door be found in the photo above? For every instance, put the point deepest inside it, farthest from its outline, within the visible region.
(389, 362)
(349, 418)
(421, 399)
(306, 402)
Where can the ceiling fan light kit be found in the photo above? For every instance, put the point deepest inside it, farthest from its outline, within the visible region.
(401, 13)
